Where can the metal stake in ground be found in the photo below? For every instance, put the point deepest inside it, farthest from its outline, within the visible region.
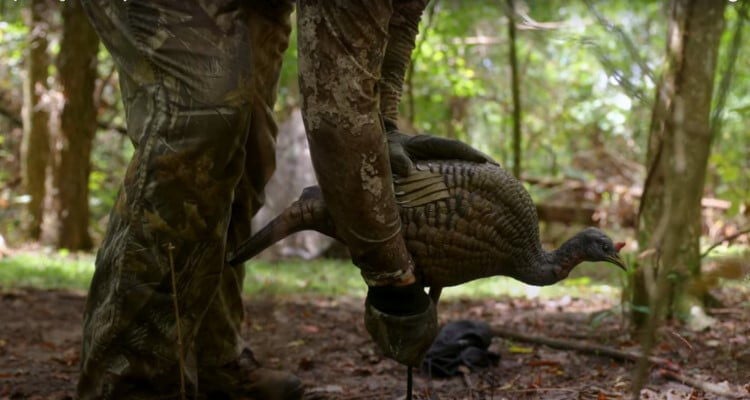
(409, 382)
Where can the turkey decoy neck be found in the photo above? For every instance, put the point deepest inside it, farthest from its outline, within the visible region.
(591, 244)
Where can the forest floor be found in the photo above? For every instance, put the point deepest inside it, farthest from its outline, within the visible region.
(322, 340)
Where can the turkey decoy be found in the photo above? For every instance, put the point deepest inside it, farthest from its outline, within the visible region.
(461, 221)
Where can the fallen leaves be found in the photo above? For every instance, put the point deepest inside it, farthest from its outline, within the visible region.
(322, 340)
(520, 349)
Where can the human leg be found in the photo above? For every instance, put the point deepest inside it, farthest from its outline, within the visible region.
(185, 77)
(225, 362)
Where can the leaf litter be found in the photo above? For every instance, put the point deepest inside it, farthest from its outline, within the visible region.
(322, 339)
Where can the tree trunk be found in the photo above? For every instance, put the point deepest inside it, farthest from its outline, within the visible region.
(35, 144)
(66, 224)
(515, 89)
(458, 108)
(680, 138)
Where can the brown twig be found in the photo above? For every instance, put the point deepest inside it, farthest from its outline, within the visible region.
(701, 384)
(681, 338)
(180, 356)
(604, 392)
(541, 389)
(465, 374)
(724, 239)
(668, 369)
(583, 347)
(103, 83)
(379, 394)
(725, 311)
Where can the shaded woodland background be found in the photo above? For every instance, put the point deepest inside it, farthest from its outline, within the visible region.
(628, 115)
(603, 108)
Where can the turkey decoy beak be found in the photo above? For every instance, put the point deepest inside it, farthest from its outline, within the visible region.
(616, 260)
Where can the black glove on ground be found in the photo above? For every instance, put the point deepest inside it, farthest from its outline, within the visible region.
(402, 320)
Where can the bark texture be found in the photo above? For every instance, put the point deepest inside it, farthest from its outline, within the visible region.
(515, 89)
(35, 145)
(66, 222)
(679, 145)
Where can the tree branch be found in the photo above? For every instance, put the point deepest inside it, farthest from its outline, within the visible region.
(724, 239)
(103, 83)
(629, 45)
(582, 347)
(701, 384)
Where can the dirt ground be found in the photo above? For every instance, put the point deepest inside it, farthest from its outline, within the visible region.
(323, 341)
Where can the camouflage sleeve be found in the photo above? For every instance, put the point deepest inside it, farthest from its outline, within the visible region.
(402, 30)
(341, 46)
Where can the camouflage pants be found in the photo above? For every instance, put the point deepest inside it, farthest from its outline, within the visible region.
(198, 80)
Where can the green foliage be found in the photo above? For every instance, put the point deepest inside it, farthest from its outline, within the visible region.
(13, 34)
(108, 164)
(47, 270)
(319, 276)
(288, 86)
(327, 277)
(641, 309)
(730, 159)
(583, 87)
(588, 81)
(570, 101)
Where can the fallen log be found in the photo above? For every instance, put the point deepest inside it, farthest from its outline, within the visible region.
(598, 186)
(578, 214)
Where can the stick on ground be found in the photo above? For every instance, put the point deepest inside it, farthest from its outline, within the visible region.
(180, 345)
(583, 347)
(702, 385)
(668, 369)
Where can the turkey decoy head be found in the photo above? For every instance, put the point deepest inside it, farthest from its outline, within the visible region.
(597, 246)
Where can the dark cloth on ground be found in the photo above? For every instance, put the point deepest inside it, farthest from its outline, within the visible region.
(460, 343)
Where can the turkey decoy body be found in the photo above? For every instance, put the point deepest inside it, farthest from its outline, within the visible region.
(461, 221)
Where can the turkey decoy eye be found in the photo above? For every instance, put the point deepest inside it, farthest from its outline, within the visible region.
(605, 247)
